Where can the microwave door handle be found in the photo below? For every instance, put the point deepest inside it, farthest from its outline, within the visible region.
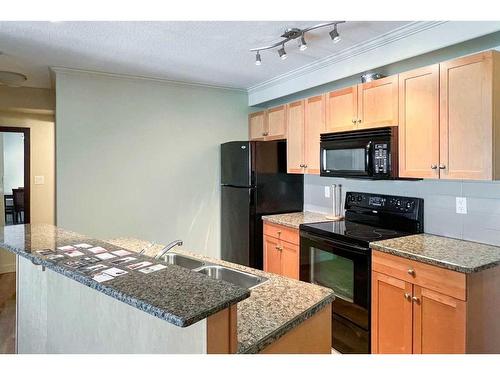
(368, 158)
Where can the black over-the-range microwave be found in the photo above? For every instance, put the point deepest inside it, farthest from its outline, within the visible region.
(368, 153)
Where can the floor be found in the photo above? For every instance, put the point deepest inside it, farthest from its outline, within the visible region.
(7, 313)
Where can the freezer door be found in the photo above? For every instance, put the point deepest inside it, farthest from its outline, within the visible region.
(236, 224)
(235, 164)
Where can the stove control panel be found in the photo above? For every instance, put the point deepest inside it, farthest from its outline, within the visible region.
(382, 202)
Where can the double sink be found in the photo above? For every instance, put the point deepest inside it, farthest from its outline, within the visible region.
(214, 271)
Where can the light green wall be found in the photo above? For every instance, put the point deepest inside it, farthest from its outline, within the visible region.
(140, 158)
(490, 41)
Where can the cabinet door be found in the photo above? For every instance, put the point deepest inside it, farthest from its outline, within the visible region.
(342, 110)
(314, 125)
(257, 125)
(378, 103)
(466, 118)
(295, 137)
(272, 255)
(438, 323)
(276, 123)
(289, 260)
(391, 315)
(419, 123)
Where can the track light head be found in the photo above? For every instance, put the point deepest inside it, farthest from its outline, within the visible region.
(334, 34)
(258, 60)
(282, 52)
(302, 43)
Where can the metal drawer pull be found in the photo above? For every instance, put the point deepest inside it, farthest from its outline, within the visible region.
(442, 166)
(434, 166)
(416, 300)
(408, 297)
(279, 248)
(411, 272)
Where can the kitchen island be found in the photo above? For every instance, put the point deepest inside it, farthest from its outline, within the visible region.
(63, 309)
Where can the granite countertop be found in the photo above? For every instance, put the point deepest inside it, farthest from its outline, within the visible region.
(457, 255)
(294, 219)
(273, 308)
(174, 294)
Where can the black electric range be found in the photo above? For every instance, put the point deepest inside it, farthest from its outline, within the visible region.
(337, 255)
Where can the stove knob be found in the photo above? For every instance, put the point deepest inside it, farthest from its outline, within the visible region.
(359, 198)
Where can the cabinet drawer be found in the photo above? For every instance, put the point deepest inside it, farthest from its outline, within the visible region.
(441, 280)
(281, 232)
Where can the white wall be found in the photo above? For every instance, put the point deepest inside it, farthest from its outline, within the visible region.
(139, 157)
(13, 161)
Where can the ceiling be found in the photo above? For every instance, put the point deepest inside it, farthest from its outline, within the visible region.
(213, 53)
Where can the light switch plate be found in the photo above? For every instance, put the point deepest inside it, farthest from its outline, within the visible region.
(461, 205)
(327, 191)
(39, 180)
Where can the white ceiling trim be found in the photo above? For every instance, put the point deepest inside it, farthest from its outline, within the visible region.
(60, 69)
(407, 41)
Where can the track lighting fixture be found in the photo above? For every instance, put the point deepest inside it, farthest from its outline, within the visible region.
(258, 61)
(302, 43)
(334, 34)
(295, 33)
(282, 53)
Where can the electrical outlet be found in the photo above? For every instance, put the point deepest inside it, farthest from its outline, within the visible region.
(327, 191)
(461, 205)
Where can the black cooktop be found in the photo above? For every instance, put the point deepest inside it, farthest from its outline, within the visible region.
(352, 232)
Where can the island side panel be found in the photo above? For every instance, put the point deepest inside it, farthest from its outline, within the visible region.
(82, 320)
(313, 336)
(31, 314)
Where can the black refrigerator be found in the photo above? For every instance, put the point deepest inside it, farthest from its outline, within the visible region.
(254, 182)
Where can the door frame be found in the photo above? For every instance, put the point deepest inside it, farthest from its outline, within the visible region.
(27, 170)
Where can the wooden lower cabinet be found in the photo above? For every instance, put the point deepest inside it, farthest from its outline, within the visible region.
(281, 250)
(430, 310)
(438, 323)
(391, 315)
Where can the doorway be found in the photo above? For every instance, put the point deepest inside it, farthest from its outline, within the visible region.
(15, 173)
(14, 210)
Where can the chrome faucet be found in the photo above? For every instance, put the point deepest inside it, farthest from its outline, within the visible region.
(167, 248)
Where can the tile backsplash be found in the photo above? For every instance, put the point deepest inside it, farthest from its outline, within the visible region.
(481, 223)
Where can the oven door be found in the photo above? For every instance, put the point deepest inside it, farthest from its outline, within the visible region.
(347, 158)
(345, 268)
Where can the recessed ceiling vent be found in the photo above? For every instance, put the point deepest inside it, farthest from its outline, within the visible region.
(12, 79)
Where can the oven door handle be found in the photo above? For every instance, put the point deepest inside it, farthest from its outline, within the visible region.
(331, 241)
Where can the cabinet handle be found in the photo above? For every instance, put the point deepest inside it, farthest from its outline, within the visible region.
(408, 297)
(265, 134)
(279, 233)
(411, 272)
(359, 121)
(442, 166)
(416, 300)
(279, 248)
(434, 166)
(305, 165)
(353, 120)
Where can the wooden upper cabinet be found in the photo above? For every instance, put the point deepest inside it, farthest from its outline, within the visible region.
(439, 323)
(419, 123)
(295, 137)
(342, 110)
(314, 125)
(391, 315)
(466, 123)
(378, 103)
(257, 125)
(276, 123)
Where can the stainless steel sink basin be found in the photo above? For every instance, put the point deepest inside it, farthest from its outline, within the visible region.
(183, 261)
(240, 278)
